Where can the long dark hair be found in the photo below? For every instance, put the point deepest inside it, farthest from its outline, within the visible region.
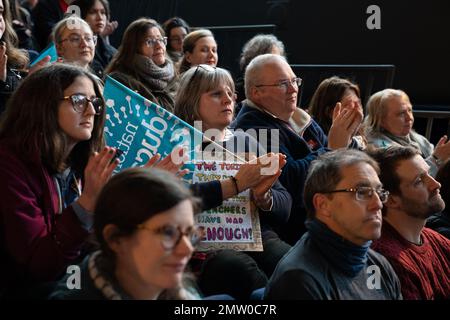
(31, 119)
(131, 41)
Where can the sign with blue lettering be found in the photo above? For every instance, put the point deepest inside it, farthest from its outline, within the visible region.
(141, 128)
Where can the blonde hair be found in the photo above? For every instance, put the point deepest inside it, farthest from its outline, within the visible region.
(67, 23)
(376, 108)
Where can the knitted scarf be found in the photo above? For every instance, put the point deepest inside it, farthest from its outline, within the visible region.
(413, 139)
(156, 77)
(342, 254)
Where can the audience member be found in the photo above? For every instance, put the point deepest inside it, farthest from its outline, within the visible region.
(333, 92)
(333, 260)
(141, 63)
(389, 121)
(97, 14)
(53, 164)
(206, 94)
(144, 223)
(271, 88)
(199, 47)
(420, 256)
(12, 60)
(176, 30)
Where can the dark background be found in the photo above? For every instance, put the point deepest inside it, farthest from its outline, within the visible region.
(414, 36)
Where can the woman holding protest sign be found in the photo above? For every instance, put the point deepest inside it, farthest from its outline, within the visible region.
(206, 94)
(53, 164)
(141, 63)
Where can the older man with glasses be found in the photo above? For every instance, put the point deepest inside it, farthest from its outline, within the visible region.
(333, 260)
(271, 88)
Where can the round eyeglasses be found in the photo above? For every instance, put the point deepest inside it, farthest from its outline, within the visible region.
(365, 193)
(75, 40)
(171, 235)
(152, 42)
(80, 103)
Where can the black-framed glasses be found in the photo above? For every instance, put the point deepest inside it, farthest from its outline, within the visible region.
(284, 84)
(365, 193)
(171, 235)
(75, 40)
(152, 42)
(80, 102)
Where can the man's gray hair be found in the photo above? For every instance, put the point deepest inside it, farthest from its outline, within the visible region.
(253, 70)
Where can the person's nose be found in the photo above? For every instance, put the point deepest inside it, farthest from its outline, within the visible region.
(432, 184)
(184, 247)
(375, 202)
(89, 109)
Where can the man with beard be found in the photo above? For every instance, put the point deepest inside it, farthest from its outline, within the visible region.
(420, 256)
(333, 260)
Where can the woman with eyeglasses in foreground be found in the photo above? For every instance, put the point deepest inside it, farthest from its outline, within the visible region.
(141, 63)
(144, 223)
(53, 164)
(75, 42)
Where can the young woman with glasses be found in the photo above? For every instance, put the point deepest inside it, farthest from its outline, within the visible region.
(53, 164)
(75, 42)
(144, 223)
(97, 14)
(141, 63)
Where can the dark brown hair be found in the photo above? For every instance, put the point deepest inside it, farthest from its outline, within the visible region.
(388, 159)
(31, 119)
(329, 92)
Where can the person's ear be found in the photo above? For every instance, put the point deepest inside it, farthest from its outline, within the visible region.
(59, 50)
(111, 236)
(188, 56)
(321, 203)
(393, 202)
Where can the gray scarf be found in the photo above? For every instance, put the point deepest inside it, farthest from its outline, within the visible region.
(413, 139)
(156, 77)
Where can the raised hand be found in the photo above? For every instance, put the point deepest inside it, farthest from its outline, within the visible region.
(442, 149)
(346, 122)
(169, 163)
(40, 64)
(97, 172)
(110, 27)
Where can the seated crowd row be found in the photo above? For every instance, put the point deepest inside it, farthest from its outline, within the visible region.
(342, 217)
